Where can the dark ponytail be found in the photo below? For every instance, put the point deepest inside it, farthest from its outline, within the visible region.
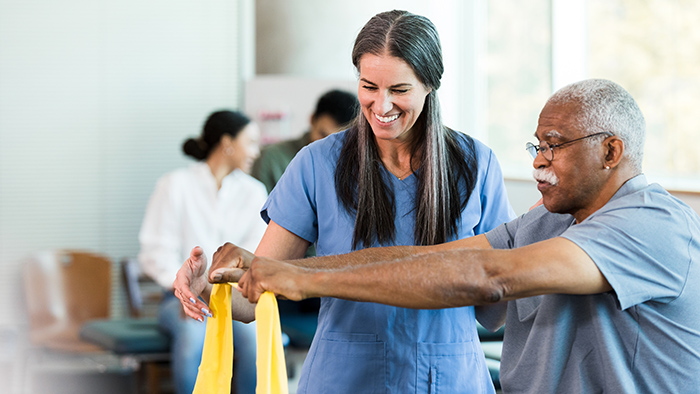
(218, 124)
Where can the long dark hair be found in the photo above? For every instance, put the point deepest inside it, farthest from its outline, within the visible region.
(448, 172)
(217, 125)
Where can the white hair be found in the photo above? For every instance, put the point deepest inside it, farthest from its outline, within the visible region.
(606, 106)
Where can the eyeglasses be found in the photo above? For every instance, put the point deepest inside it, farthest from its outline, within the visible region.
(547, 150)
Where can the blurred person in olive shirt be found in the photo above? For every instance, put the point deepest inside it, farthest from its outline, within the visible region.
(334, 110)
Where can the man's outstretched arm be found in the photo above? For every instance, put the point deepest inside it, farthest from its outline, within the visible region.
(442, 279)
(231, 261)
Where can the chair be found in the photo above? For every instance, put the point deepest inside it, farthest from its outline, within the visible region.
(138, 338)
(63, 290)
(133, 335)
(492, 345)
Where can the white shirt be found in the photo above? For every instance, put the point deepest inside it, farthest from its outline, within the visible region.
(187, 210)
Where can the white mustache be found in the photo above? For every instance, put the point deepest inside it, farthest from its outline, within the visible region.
(545, 175)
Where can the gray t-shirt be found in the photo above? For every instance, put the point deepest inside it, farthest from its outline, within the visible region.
(642, 337)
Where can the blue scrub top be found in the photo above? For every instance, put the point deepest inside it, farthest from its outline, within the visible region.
(641, 337)
(371, 348)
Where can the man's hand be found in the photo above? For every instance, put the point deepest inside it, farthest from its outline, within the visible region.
(229, 264)
(280, 278)
(191, 282)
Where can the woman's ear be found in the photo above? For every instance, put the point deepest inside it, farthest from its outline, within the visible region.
(226, 142)
(226, 139)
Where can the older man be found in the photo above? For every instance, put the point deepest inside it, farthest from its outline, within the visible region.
(602, 281)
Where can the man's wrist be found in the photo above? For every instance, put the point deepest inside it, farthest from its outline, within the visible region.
(313, 284)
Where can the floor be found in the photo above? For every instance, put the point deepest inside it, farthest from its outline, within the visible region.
(295, 359)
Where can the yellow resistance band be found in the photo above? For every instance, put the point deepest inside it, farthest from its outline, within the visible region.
(216, 368)
(272, 370)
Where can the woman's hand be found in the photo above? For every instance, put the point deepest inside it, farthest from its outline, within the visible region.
(230, 263)
(191, 282)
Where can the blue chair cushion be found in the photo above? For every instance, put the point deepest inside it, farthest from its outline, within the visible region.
(127, 336)
(300, 328)
(486, 335)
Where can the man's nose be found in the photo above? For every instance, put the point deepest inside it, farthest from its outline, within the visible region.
(540, 161)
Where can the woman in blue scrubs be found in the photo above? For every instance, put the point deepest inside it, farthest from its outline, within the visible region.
(397, 176)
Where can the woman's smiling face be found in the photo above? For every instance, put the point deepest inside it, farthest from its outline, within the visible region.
(391, 96)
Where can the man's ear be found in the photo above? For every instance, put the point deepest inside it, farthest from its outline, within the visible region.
(614, 150)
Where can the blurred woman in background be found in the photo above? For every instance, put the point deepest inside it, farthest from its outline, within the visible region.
(205, 204)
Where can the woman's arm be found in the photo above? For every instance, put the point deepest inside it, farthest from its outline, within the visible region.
(159, 237)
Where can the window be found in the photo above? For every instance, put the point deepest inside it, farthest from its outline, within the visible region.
(518, 72)
(649, 47)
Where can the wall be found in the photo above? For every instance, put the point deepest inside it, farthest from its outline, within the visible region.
(690, 198)
(95, 101)
(314, 38)
(282, 105)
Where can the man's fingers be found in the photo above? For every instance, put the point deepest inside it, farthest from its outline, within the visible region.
(224, 275)
(243, 284)
(253, 299)
(249, 288)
